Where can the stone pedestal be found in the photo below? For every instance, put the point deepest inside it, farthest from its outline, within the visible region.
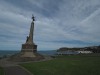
(28, 50)
(28, 53)
(29, 47)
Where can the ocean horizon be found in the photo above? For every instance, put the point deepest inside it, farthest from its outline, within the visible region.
(43, 52)
(12, 52)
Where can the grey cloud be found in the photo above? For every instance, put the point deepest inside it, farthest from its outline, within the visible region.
(55, 20)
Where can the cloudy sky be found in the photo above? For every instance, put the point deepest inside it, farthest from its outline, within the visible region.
(59, 23)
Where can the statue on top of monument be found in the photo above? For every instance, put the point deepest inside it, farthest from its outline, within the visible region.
(33, 17)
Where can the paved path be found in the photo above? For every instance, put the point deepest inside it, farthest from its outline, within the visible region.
(15, 70)
(12, 68)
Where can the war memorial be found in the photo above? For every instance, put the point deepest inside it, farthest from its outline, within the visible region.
(29, 48)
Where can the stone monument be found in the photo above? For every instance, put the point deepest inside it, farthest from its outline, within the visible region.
(29, 48)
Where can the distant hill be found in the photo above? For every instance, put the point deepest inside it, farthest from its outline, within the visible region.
(94, 49)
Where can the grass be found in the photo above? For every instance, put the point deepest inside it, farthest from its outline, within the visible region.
(66, 65)
(1, 71)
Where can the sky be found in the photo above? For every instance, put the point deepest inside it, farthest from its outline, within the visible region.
(59, 23)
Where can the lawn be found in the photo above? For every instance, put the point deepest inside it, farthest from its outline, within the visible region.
(66, 65)
(1, 71)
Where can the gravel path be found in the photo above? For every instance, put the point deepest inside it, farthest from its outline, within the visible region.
(15, 70)
(12, 68)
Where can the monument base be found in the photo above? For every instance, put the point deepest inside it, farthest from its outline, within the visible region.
(28, 50)
(19, 57)
(28, 53)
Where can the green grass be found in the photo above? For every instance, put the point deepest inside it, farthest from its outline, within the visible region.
(1, 71)
(66, 65)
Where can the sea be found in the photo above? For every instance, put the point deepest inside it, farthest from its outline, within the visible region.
(6, 53)
(12, 52)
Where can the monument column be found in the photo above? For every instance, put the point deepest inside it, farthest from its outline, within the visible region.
(30, 37)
